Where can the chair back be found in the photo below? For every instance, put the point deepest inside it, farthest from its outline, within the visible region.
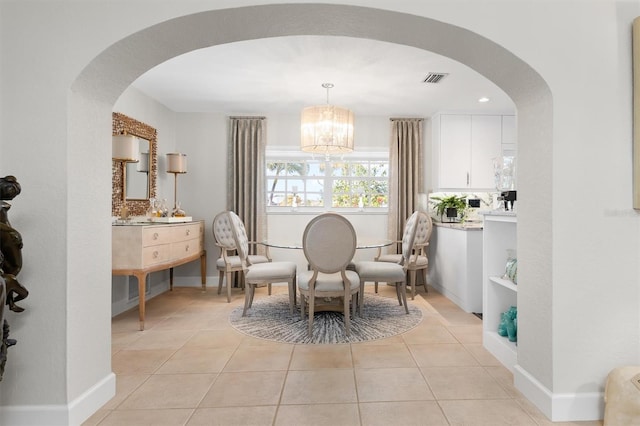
(239, 236)
(222, 231)
(423, 231)
(329, 242)
(409, 236)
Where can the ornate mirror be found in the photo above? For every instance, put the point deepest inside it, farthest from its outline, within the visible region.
(141, 176)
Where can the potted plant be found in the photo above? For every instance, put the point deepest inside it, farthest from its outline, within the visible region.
(453, 205)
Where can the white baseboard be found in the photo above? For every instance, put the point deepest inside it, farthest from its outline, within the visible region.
(559, 407)
(76, 412)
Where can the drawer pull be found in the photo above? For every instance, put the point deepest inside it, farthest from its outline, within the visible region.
(155, 254)
(155, 235)
(188, 232)
(186, 248)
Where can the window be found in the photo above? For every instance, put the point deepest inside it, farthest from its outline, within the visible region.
(298, 181)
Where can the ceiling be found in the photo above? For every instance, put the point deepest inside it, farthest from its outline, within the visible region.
(284, 74)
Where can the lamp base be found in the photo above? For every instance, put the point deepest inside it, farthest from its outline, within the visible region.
(124, 213)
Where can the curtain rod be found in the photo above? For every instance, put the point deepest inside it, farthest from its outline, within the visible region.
(406, 119)
(240, 117)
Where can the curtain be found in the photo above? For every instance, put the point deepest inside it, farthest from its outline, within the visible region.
(246, 192)
(405, 180)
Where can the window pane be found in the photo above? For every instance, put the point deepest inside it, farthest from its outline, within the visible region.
(340, 169)
(275, 168)
(379, 169)
(296, 169)
(314, 200)
(315, 168)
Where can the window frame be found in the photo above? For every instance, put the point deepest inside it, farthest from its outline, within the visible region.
(272, 155)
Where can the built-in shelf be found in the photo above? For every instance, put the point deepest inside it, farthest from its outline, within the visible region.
(499, 294)
(504, 282)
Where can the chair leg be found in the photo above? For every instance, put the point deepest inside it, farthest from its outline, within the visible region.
(311, 308)
(247, 300)
(346, 314)
(412, 275)
(424, 279)
(292, 296)
(376, 286)
(360, 297)
(269, 288)
(251, 288)
(302, 306)
(220, 279)
(398, 295)
(354, 299)
(403, 292)
(229, 281)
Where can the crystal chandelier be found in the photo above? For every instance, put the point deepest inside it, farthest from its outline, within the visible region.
(327, 129)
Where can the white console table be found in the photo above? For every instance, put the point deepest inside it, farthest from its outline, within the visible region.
(141, 248)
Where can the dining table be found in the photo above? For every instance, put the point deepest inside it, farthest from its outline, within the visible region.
(328, 304)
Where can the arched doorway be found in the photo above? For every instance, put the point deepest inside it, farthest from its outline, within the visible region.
(110, 73)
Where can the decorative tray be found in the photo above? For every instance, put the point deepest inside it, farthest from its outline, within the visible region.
(172, 219)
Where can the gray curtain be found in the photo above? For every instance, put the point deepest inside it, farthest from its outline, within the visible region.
(246, 192)
(405, 164)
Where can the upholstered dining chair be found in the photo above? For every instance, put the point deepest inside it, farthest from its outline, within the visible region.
(329, 243)
(393, 273)
(229, 262)
(260, 274)
(418, 261)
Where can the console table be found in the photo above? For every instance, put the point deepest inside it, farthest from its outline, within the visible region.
(141, 248)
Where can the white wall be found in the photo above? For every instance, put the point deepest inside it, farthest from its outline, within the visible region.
(578, 298)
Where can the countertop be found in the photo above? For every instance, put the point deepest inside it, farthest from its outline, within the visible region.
(466, 226)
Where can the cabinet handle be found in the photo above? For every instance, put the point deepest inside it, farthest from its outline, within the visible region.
(467, 178)
(186, 248)
(155, 235)
(188, 232)
(155, 254)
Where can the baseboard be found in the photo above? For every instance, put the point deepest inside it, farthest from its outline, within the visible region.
(76, 412)
(559, 407)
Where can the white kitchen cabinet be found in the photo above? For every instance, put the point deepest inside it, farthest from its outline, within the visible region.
(464, 147)
(499, 294)
(455, 264)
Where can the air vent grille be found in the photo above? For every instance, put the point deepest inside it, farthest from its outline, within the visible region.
(435, 77)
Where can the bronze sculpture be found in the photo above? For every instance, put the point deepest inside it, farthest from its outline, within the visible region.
(11, 245)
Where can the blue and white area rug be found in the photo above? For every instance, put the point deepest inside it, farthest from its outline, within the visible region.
(269, 318)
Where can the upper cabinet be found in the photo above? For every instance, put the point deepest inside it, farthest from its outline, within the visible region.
(465, 146)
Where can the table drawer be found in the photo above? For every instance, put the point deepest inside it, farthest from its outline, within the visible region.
(153, 255)
(183, 249)
(186, 232)
(156, 235)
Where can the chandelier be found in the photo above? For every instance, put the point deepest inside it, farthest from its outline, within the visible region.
(327, 129)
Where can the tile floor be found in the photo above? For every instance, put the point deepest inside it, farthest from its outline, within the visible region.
(190, 367)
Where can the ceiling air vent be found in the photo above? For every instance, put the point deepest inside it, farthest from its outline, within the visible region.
(435, 77)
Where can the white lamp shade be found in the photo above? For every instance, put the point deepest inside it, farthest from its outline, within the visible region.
(176, 163)
(327, 129)
(125, 148)
(143, 164)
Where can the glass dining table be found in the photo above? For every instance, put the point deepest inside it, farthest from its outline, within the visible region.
(328, 304)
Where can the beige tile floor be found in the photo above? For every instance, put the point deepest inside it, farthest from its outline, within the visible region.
(190, 367)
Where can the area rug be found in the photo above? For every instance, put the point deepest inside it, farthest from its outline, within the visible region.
(269, 318)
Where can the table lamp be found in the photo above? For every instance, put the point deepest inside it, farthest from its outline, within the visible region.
(124, 149)
(176, 163)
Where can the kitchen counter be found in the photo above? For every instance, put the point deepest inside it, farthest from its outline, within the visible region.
(466, 226)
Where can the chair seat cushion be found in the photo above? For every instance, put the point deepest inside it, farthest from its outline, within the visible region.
(271, 272)
(328, 282)
(422, 261)
(380, 271)
(235, 261)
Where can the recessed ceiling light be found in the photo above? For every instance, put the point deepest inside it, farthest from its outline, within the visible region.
(483, 99)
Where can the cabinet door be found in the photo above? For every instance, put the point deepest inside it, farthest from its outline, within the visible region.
(455, 151)
(486, 144)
